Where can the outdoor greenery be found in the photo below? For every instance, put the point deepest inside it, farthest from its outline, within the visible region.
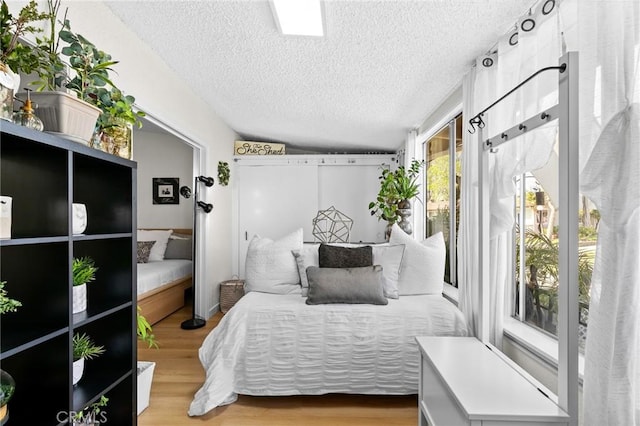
(7, 304)
(84, 270)
(145, 331)
(396, 186)
(84, 347)
(543, 277)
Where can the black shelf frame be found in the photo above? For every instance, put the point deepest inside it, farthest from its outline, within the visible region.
(45, 174)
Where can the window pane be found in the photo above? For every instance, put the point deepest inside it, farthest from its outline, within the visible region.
(541, 273)
(438, 186)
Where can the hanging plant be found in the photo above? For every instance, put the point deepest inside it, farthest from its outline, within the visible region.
(223, 173)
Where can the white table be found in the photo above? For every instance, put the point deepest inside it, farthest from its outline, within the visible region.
(464, 382)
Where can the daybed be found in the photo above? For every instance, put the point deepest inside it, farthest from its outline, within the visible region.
(316, 330)
(164, 277)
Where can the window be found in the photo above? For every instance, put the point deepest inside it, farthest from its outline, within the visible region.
(443, 153)
(536, 241)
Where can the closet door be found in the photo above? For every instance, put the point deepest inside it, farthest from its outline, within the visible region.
(350, 189)
(274, 200)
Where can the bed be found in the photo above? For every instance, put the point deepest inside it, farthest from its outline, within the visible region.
(278, 341)
(162, 281)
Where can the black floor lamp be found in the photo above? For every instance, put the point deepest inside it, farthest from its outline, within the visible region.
(185, 191)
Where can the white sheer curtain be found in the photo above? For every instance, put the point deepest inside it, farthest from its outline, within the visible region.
(517, 57)
(607, 35)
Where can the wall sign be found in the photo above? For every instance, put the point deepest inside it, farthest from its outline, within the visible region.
(165, 190)
(258, 148)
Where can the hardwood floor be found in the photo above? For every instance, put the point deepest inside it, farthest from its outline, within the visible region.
(178, 375)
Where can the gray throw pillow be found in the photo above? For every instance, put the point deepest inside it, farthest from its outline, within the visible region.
(346, 285)
(179, 248)
(344, 257)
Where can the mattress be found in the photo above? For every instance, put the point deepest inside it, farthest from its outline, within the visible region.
(152, 275)
(271, 344)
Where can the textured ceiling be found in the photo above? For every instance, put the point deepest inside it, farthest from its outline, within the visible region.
(382, 67)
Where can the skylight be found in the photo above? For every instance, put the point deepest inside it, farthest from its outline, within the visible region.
(298, 17)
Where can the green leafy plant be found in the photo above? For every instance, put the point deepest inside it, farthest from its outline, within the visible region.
(84, 347)
(91, 65)
(89, 414)
(116, 107)
(17, 56)
(84, 270)
(51, 70)
(7, 304)
(223, 173)
(145, 331)
(396, 186)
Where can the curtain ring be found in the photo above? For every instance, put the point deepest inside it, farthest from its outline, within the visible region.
(546, 11)
(527, 25)
(487, 62)
(513, 39)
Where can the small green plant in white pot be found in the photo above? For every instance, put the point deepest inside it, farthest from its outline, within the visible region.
(145, 368)
(93, 414)
(84, 271)
(7, 384)
(83, 348)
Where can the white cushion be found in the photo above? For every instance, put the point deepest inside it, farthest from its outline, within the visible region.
(390, 258)
(422, 270)
(305, 257)
(161, 238)
(271, 267)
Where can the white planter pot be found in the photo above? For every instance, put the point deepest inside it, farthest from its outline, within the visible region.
(9, 84)
(79, 298)
(79, 218)
(145, 376)
(65, 115)
(5, 216)
(78, 370)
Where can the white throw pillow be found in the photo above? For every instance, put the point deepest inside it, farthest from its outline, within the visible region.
(390, 258)
(305, 257)
(271, 267)
(422, 270)
(161, 238)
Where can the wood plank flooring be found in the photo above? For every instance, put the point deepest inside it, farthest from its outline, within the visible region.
(179, 374)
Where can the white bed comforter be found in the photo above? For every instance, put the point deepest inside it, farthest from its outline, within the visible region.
(271, 344)
(156, 274)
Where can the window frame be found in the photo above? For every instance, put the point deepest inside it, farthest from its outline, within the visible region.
(421, 146)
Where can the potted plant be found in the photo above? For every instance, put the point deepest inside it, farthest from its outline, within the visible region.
(145, 368)
(15, 57)
(83, 271)
(397, 189)
(7, 384)
(90, 416)
(7, 304)
(115, 125)
(83, 348)
(69, 116)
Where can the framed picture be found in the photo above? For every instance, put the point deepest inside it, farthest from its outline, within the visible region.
(165, 190)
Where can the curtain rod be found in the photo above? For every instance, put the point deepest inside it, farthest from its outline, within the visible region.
(477, 120)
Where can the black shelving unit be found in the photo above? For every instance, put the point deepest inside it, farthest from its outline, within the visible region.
(44, 175)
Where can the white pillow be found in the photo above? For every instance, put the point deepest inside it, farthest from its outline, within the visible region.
(422, 270)
(160, 237)
(390, 258)
(305, 257)
(270, 266)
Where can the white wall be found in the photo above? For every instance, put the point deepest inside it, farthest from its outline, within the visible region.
(160, 92)
(162, 155)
